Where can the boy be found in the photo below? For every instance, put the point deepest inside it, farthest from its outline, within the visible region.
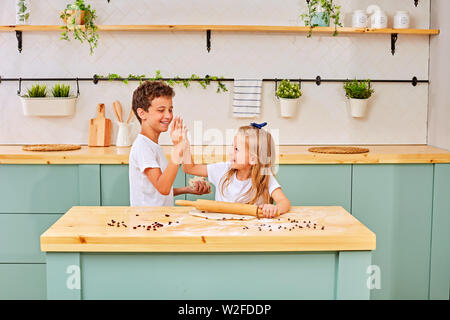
(151, 175)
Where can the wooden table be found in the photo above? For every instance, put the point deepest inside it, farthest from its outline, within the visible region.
(112, 253)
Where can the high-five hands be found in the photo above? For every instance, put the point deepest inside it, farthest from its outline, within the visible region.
(177, 134)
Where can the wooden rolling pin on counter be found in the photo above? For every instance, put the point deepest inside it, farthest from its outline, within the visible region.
(13, 154)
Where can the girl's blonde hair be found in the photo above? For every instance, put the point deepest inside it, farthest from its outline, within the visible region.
(260, 143)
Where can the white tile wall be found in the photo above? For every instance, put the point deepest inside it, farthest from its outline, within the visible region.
(398, 112)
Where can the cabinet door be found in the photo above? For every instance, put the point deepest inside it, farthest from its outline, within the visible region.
(47, 188)
(440, 252)
(316, 185)
(115, 185)
(20, 234)
(23, 281)
(395, 202)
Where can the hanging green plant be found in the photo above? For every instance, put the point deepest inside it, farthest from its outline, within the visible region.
(80, 19)
(171, 82)
(320, 13)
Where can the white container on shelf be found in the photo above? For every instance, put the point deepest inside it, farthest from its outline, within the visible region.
(359, 19)
(288, 107)
(23, 12)
(48, 107)
(401, 20)
(378, 19)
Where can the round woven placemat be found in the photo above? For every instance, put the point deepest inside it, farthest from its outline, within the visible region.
(51, 147)
(338, 150)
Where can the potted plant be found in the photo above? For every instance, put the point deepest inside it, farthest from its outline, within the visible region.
(80, 18)
(320, 12)
(37, 102)
(22, 11)
(358, 93)
(289, 95)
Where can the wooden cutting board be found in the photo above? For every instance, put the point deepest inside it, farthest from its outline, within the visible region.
(100, 129)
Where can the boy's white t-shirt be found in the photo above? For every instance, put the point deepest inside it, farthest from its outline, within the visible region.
(146, 154)
(234, 191)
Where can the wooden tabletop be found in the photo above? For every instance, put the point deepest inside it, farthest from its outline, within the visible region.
(292, 154)
(173, 229)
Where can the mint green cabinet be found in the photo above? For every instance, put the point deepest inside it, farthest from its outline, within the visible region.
(440, 251)
(317, 185)
(47, 188)
(23, 281)
(195, 275)
(395, 202)
(19, 236)
(115, 185)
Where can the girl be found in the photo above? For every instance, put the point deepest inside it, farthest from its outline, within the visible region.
(248, 177)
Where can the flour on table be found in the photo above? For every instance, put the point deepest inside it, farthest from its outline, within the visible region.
(219, 216)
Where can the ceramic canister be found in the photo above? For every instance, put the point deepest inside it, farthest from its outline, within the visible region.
(401, 20)
(359, 19)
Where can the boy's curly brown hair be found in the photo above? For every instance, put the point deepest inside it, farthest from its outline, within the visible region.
(146, 92)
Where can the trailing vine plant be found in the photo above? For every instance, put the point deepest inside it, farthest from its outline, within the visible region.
(331, 11)
(171, 82)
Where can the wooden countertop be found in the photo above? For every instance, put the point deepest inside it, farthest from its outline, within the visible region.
(10, 154)
(90, 229)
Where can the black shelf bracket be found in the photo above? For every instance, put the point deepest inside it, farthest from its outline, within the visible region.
(208, 40)
(19, 40)
(95, 79)
(416, 2)
(394, 38)
(414, 81)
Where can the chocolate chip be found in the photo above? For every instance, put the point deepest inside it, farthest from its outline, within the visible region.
(167, 215)
(323, 227)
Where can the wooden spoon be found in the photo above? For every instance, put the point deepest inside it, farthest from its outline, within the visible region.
(118, 110)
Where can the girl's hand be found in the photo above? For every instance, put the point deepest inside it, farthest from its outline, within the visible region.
(201, 187)
(269, 210)
(176, 130)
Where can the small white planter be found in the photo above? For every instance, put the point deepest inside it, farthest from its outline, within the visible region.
(288, 107)
(358, 107)
(48, 107)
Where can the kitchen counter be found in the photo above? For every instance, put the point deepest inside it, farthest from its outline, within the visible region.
(88, 256)
(88, 229)
(10, 154)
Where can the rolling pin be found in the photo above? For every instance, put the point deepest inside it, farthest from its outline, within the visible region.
(223, 207)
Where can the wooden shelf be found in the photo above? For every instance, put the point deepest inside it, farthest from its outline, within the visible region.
(226, 28)
(229, 28)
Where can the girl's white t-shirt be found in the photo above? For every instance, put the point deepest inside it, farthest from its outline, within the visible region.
(234, 191)
(146, 154)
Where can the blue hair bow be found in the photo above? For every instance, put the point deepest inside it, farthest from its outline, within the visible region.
(259, 126)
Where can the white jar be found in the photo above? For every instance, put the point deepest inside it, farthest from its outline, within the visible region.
(359, 19)
(23, 12)
(401, 20)
(378, 19)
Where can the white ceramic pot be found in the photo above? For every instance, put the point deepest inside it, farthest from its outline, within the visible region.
(358, 107)
(401, 20)
(378, 19)
(48, 107)
(23, 11)
(359, 19)
(288, 107)
(123, 136)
